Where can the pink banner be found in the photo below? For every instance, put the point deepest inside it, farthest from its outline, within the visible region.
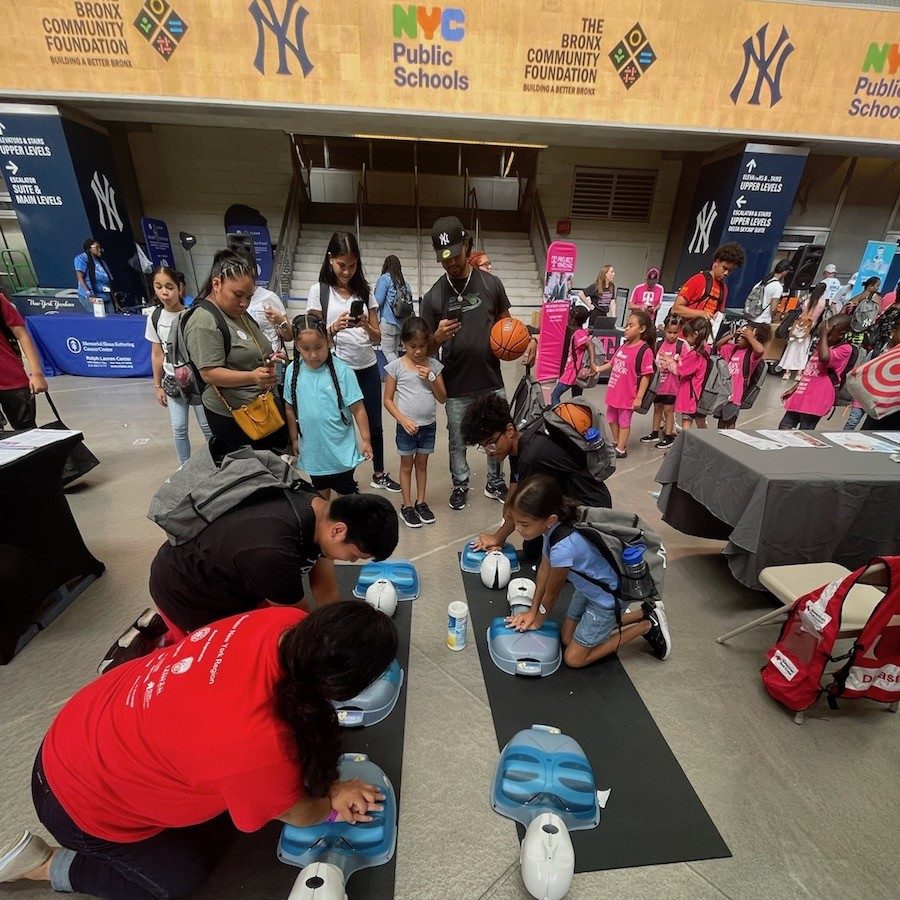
(561, 259)
(554, 319)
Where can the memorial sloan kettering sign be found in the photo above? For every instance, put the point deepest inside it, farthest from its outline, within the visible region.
(751, 66)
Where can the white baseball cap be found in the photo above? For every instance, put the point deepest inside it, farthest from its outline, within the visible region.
(831, 268)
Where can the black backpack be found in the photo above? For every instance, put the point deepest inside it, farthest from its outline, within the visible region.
(841, 394)
(402, 304)
(753, 381)
(709, 281)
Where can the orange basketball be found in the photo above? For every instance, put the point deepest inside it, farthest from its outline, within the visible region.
(578, 416)
(509, 339)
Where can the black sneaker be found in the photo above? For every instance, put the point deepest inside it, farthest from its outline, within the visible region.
(425, 513)
(133, 644)
(459, 498)
(385, 482)
(650, 438)
(621, 454)
(151, 624)
(410, 517)
(497, 491)
(666, 441)
(658, 636)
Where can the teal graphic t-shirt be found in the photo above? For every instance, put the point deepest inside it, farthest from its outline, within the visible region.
(327, 445)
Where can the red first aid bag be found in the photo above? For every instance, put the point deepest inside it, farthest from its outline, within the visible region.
(796, 664)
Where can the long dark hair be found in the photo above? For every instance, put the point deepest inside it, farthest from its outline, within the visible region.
(540, 496)
(333, 654)
(227, 265)
(393, 268)
(343, 243)
(578, 315)
(312, 321)
(90, 276)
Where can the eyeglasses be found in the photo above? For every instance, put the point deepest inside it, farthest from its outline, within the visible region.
(489, 446)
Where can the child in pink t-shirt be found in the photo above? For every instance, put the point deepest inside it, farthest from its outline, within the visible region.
(581, 354)
(742, 350)
(691, 369)
(815, 393)
(670, 347)
(630, 368)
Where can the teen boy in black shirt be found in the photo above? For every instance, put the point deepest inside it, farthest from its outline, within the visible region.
(487, 424)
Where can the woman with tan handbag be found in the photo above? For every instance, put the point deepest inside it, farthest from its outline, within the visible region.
(232, 357)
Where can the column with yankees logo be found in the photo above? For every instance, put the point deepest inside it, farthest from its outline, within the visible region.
(65, 189)
(94, 164)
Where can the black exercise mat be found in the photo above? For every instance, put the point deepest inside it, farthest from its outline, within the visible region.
(653, 816)
(248, 864)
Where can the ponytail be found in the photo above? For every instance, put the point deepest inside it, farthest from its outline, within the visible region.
(540, 496)
(333, 654)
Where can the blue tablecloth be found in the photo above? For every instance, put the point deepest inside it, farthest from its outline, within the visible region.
(113, 347)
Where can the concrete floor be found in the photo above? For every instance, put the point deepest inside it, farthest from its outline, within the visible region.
(808, 811)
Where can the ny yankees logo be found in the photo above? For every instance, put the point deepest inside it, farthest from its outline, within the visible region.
(106, 203)
(703, 228)
(444, 238)
(756, 54)
(279, 28)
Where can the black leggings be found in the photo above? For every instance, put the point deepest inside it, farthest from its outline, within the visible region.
(806, 421)
(173, 863)
(369, 381)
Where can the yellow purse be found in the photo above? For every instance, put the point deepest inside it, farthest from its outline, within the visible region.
(260, 417)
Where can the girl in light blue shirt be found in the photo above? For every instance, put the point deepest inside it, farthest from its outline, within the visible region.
(591, 629)
(323, 399)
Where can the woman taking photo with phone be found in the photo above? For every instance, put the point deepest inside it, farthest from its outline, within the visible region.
(350, 311)
(235, 361)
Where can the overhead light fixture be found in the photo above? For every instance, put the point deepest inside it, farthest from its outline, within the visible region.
(437, 140)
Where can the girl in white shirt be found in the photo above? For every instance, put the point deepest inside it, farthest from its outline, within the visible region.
(355, 336)
(159, 326)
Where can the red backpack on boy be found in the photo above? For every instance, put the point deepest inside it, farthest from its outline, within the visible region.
(796, 664)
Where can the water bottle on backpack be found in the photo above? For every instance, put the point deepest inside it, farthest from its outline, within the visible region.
(636, 583)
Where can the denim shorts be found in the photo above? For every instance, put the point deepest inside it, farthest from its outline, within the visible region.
(595, 623)
(420, 442)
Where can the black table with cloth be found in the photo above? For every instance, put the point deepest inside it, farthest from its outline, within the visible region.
(781, 507)
(44, 562)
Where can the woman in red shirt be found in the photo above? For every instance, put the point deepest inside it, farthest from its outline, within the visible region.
(235, 718)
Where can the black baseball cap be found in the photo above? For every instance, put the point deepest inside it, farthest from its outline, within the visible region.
(448, 237)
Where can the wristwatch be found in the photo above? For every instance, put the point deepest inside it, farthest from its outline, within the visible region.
(432, 376)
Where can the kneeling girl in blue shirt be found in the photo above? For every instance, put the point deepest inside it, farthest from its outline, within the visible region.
(590, 630)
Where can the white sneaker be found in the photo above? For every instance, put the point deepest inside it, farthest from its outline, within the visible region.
(21, 855)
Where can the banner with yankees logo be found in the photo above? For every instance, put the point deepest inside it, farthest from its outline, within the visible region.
(876, 384)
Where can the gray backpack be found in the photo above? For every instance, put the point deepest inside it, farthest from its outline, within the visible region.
(200, 491)
(600, 457)
(611, 531)
(528, 403)
(864, 315)
(755, 305)
(716, 387)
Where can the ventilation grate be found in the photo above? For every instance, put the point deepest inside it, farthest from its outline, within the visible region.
(624, 194)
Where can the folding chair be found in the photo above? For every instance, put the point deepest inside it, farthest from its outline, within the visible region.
(789, 583)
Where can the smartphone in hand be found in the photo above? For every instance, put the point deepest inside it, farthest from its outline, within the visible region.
(357, 308)
(454, 308)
